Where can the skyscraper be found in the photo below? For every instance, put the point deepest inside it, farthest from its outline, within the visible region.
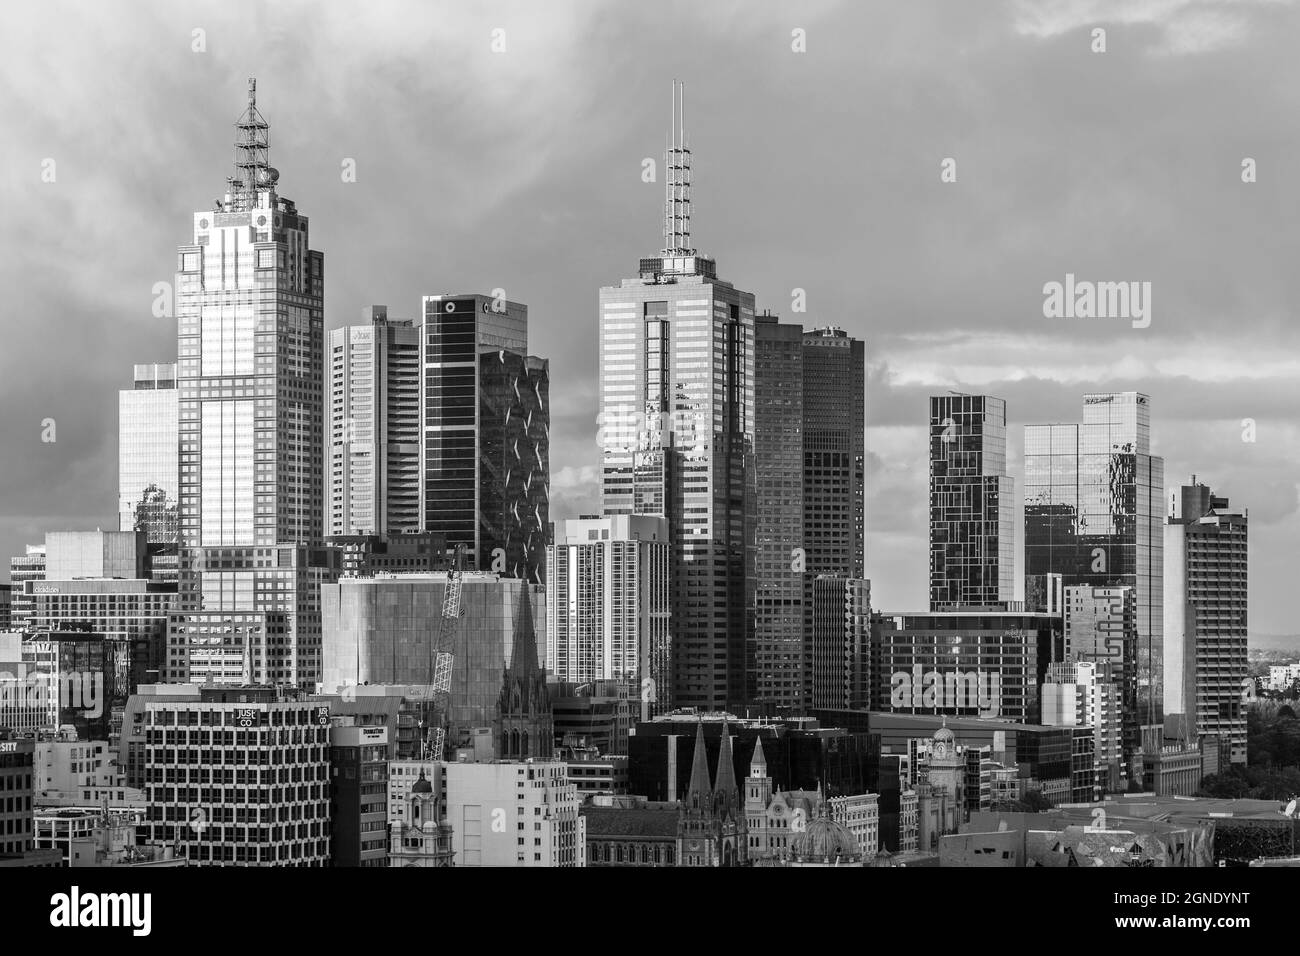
(147, 471)
(1093, 506)
(676, 407)
(834, 452)
(607, 587)
(1205, 616)
(374, 430)
(776, 660)
(972, 522)
(485, 433)
(250, 348)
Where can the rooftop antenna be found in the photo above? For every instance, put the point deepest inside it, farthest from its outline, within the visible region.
(252, 156)
(677, 186)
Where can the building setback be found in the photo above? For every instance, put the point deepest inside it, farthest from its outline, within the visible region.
(250, 357)
(676, 413)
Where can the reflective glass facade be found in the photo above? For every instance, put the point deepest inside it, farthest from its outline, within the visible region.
(972, 524)
(1093, 514)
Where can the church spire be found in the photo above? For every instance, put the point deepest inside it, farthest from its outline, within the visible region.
(701, 787)
(677, 181)
(724, 786)
(758, 762)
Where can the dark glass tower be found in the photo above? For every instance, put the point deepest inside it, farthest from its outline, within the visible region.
(484, 424)
(971, 519)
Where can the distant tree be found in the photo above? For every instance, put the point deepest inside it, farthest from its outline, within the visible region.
(1033, 802)
(1229, 785)
(1285, 711)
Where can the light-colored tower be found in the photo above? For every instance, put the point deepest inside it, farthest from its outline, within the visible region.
(676, 407)
(374, 434)
(250, 352)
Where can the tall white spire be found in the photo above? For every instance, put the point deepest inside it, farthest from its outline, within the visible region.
(677, 185)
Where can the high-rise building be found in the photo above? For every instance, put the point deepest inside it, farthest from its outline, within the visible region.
(268, 758)
(29, 566)
(839, 641)
(834, 452)
(808, 467)
(1101, 627)
(608, 589)
(1093, 507)
(374, 427)
(358, 796)
(1205, 616)
(250, 357)
(485, 425)
(775, 661)
(972, 518)
(147, 471)
(676, 412)
(1087, 694)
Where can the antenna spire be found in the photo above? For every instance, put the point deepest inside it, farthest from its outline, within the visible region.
(253, 170)
(677, 187)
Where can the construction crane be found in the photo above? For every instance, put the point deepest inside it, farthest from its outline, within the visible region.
(442, 655)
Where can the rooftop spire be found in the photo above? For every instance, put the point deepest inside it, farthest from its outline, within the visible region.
(253, 170)
(677, 186)
(697, 793)
(724, 783)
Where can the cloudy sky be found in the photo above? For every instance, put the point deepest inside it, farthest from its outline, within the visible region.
(815, 170)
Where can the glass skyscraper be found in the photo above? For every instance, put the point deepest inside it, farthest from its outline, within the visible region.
(972, 524)
(1093, 514)
(250, 355)
(485, 426)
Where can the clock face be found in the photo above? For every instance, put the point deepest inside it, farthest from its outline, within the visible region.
(941, 750)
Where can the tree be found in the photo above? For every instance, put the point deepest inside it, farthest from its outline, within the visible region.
(1033, 802)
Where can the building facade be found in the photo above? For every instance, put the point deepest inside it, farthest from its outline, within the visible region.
(147, 471)
(608, 613)
(1205, 615)
(1093, 505)
(972, 517)
(484, 426)
(249, 307)
(374, 427)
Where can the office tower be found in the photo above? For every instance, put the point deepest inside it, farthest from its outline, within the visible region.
(839, 643)
(1087, 694)
(29, 566)
(233, 648)
(1101, 627)
(808, 466)
(485, 426)
(147, 469)
(95, 554)
(962, 663)
(250, 324)
(17, 756)
(246, 738)
(775, 661)
(1205, 616)
(972, 557)
(6, 607)
(834, 452)
(374, 427)
(676, 412)
(608, 590)
(1093, 507)
(379, 630)
(358, 796)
